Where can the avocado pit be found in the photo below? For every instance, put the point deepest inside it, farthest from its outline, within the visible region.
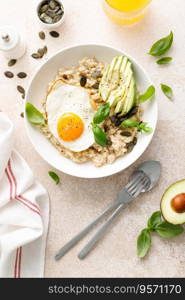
(178, 203)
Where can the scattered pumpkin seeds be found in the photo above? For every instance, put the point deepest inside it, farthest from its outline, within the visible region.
(22, 75)
(45, 49)
(12, 62)
(54, 34)
(20, 89)
(36, 55)
(22, 115)
(83, 80)
(9, 74)
(42, 35)
(41, 52)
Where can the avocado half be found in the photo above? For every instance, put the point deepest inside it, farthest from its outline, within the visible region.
(173, 203)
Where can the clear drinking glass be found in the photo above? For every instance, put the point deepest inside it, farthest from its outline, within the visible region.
(125, 12)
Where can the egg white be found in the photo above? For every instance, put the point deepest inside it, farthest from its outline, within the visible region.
(63, 98)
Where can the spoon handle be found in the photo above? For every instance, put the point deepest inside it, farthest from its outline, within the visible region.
(103, 229)
(87, 229)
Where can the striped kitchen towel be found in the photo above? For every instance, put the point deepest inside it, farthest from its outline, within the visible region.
(24, 212)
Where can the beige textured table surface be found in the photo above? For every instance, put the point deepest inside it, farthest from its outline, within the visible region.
(77, 201)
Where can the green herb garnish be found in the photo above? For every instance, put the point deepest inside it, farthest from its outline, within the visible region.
(162, 46)
(99, 135)
(167, 90)
(101, 114)
(164, 60)
(34, 116)
(141, 126)
(157, 225)
(143, 242)
(54, 176)
(148, 95)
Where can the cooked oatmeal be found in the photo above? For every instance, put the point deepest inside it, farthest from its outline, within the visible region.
(121, 140)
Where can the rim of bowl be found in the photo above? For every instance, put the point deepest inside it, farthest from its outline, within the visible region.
(89, 176)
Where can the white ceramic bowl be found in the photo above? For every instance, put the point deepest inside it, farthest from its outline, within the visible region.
(37, 91)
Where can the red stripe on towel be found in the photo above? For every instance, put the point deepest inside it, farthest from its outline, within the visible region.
(13, 176)
(10, 182)
(17, 268)
(32, 206)
(26, 204)
(29, 202)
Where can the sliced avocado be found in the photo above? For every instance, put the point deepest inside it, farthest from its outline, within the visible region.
(130, 99)
(173, 203)
(117, 84)
(105, 84)
(123, 96)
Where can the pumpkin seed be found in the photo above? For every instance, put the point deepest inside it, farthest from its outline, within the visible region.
(20, 89)
(126, 133)
(9, 74)
(130, 146)
(50, 13)
(135, 140)
(12, 62)
(56, 19)
(42, 35)
(22, 75)
(41, 52)
(44, 8)
(83, 80)
(52, 4)
(54, 34)
(22, 115)
(36, 55)
(96, 85)
(23, 96)
(45, 49)
(59, 12)
(56, 9)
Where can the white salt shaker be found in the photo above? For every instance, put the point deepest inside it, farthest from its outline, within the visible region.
(11, 43)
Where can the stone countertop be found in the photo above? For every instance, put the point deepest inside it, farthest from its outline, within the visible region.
(75, 202)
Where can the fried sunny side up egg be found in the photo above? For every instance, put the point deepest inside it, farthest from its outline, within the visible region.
(69, 116)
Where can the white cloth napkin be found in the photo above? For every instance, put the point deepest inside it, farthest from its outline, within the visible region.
(24, 212)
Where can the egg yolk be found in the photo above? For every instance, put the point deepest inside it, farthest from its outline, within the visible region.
(70, 127)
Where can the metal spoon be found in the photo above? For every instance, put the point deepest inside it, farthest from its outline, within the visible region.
(143, 179)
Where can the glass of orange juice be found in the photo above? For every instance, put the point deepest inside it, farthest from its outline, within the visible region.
(125, 12)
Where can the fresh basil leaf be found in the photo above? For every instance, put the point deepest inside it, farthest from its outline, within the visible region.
(34, 116)
(143, 243)
(162, 46)
(144, 127)
(164, 60)
(148, 95)
(99, 135)
(154, 220)
(167, 230)
(54, 176)
(141, 126)
(102, 113)
(167, 90)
